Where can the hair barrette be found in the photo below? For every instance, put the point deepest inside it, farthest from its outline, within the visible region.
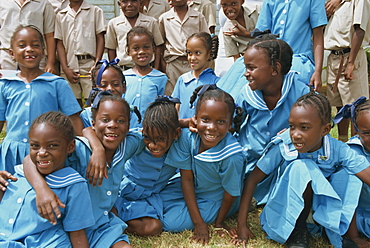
(165, 98)
(104, 65)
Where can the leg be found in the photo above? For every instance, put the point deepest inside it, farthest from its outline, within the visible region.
(145, 226)
(353, 235)
(343, 128)
(121, 244)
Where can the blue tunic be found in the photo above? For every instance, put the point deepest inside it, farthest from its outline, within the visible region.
(21, 103)
(108, 228)
(363, 209)
(142, 90)
(330, 170)
(185, 86)
(21, 224)
(215, 170)
(144, 177)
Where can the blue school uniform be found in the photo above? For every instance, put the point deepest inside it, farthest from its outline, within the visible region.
(185, 86)
(329, 170)
(142, 90)
(144, 177)
(262, 124)
(363, 209)
(21, 224)
(108, 228)
(215, 170)
(294, 20)
(21, 103)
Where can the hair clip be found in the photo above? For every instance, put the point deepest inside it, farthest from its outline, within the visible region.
(165, 98)
(99, 96)
(104, 65)
(348, 111)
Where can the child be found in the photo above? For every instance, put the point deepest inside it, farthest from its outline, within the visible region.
(146, 174)
(105, 76)
(110, 123)
(143, 82)
(176, 26)
(28, 94)
(208, 9)
(201, 48)
(312, 170)
(154, 8)
(79, 31)
(119, 26)
(348, 31)
(241, 19)
(37, 13)
(52, 139)
(212, 167)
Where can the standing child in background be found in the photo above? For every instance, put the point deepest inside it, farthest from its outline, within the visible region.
(105, 76)
(154, 8)
(201, 48)
(119, 27)
(312, 170)
(212, 168)
(146, 174)
(208, 9)
(143, 82)
(38, 13)
(241, 19)
(28, 94)
(52, 139)
(79, 31)
(348, 31)
(176, 26)
(111, 117)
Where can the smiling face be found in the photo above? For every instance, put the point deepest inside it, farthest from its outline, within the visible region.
(112, 80)
(259, 72)
(213, 122)
(111, 124)
(158, 142)
(130, 8)
(141, 49)
(232, 8)
(27, 48)
(363, 125)
(48, 148)
(306, 128)
(198, 55)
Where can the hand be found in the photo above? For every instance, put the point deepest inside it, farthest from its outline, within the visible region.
(50, 68)
(237, 31)
(221, 229)
(193, 125)
(331, 6)
(348, 73)
(4, 176)
(73, 77)
(201, 233)
(97, 168)
(48, 204)
(244, 234)
(315, 81)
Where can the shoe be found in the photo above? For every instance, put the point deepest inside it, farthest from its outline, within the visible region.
(348, 243)
(298, 239)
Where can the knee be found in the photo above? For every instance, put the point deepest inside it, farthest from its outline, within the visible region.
(149, 227)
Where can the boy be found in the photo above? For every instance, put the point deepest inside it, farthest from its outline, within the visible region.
(79, 32)
(207, 8)
(119, 26)
(348, 31)
(155, 8)
(176, 25)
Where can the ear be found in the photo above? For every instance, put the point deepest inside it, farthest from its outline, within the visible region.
(128, 51)
(11, 52)
(71, 146)
(177, 133)
(277, 69)
(326, 129)
(93, 124)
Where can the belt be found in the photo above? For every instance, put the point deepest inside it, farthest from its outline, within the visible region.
(81, 57)
(182, 58)
(341, 52)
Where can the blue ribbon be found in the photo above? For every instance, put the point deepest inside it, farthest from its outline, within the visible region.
(104, 65)
(165, 98)
(99, 96)
(256, 33)
(348, 110)
(206, 87)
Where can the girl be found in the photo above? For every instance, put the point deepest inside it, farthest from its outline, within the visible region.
(201, 49)
(110, 123)
(146, 174)
(106, 76)
(28, 94)
(211, 164)
(51, 139)
(143, 82)
(314, 171)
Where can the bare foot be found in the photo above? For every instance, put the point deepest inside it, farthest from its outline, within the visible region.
(361, 243)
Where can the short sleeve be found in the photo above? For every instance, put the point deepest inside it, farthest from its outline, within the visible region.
(180, 155)
(264, 20)
(58, 28)
(86, 117)
(111, 36)
(318, 14)
(232, 174)
(66, 100)
(3, 103)
(231, 48)
(351, 161)
(158, 39)
(270, 160)
(100, 22)
(176, 91)
(49, 19)
(134, 144)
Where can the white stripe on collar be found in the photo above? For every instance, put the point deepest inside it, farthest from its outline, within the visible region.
(226, 152)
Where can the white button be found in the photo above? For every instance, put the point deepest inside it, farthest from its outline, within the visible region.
(26, 123)
(28, 86)
(268, 133)
(284, 11)
(105, 212)
(286, 1)
(2, 234)
(27, 103)
(282, 22)
(281, 31)
(11, 221)
(137, 95)
(24, 140)
(109, 192)
(19, 200)
(140, 80)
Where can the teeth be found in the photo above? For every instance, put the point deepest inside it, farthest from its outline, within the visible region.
(210, 136)
(111, 135)
(27, 57)
(299, 144)
(44, 162)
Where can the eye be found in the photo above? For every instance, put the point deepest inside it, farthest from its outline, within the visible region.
(51, 146)
(104, 119)
(34, 146)
(121, 121)
(234, 3)
(204, 119)
(220, 121)
(305, 127)
(197, 53)
(147, 47)
(189, 53)
(291, 126)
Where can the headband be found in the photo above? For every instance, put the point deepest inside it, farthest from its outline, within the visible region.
(165, 98)
(104, 65)
(348, 111)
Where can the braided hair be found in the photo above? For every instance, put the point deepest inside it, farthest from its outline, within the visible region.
(94, 73)
(365, 106)
(32, 27)
(210, 42)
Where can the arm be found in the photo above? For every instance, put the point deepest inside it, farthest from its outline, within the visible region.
(47, 201)
(96, 168)
(2, 125)
(99, 46)
(364, 175)
(79, 239)
(157, 57)
(51, 49)
(77, 123)
(318, 50)
(4, 176)
(73, 77)
(238, 31)
(226, 204)
(201, 233)
(357, 39)
(112, 54)
(331, 6)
